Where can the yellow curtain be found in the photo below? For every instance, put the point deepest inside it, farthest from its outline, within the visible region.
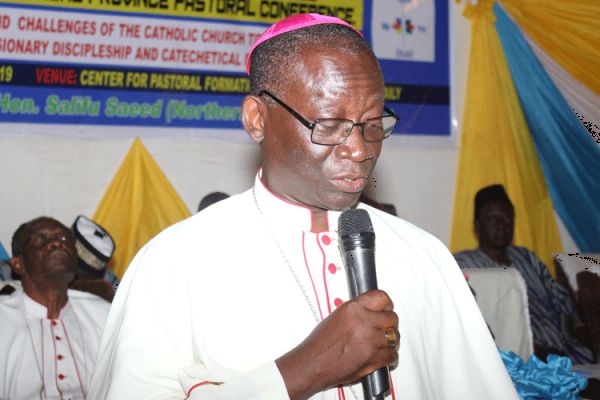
(496, 147)
(139, 203)
(568, 31)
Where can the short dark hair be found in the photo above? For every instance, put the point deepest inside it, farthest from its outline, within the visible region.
(273, 59)
(21, 235)
(19, 239)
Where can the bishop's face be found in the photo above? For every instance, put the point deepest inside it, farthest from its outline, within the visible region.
(327, 83)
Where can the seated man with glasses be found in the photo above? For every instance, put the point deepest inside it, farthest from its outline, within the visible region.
(256, 305)
(49, 335)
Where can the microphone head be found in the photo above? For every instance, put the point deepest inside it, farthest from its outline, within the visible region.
(354, 221)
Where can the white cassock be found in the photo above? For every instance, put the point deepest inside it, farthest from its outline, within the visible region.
(47, 359)
(207, 306)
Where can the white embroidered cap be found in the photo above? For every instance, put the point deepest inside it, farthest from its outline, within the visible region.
(94, 246)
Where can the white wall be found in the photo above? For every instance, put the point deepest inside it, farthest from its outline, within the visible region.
(62, 176)
(44, 172)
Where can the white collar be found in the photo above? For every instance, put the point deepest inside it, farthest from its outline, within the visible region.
(283, 213)
(37, 310)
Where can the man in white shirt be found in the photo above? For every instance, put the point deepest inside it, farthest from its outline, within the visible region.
(49, 335)
(255, 304)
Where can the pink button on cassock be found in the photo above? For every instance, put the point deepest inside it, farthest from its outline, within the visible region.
(332, 268)
(326, 240)
(338, 302)
(61, 376)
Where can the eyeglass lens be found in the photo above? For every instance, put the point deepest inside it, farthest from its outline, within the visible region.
(40, 239)
(335, 131)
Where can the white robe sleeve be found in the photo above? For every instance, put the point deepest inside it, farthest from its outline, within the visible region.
(264, 382)
(148, 350)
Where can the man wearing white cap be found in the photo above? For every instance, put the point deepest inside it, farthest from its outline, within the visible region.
(256, 303)
(94, 247)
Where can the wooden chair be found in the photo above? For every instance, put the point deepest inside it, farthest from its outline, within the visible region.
(589, 303)
(569, 264)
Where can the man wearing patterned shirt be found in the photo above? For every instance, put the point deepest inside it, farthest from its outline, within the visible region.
(553, 315)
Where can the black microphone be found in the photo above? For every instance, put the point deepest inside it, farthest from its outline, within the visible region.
(357, 246)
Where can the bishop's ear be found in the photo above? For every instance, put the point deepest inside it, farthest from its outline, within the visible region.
(253, 117)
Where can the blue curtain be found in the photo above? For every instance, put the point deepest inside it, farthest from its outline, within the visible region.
(3, 254)
(569, 156)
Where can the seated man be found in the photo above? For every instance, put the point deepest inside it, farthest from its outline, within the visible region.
(49, 335)
(551, 309)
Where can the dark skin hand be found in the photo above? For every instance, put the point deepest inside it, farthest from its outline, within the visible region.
(347, 345)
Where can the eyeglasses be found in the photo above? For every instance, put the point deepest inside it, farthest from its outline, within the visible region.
(39, 240)
(334, 131)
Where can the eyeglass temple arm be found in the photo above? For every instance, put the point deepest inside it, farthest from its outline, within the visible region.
(304, 121)
(391, 112)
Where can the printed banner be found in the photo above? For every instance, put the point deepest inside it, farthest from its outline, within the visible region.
(411, 34)
(266, 11)
(74, 37)
(137, 63)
